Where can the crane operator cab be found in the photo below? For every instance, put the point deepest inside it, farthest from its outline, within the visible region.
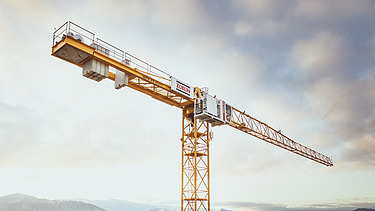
(212, 110)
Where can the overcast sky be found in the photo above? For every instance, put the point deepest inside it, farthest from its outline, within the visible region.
(305, 67)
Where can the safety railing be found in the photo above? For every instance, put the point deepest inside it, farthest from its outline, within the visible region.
(79, 33)
(71, 29)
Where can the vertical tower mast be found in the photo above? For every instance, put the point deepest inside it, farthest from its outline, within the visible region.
(195, 163)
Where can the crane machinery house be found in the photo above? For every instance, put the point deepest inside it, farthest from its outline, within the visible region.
(207, 108)
(212, 110)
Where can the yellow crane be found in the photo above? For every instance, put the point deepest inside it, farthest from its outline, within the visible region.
(200, 111)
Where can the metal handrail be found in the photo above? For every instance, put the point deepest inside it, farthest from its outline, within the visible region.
(114, 52)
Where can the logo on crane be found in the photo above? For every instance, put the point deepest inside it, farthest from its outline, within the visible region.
(182, 87)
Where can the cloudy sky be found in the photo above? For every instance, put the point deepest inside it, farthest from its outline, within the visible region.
(306, 67)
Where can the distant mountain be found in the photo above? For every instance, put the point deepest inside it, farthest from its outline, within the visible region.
(19, 202)
(120, 205)
(363, 209)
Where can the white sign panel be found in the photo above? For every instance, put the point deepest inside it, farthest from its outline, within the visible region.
(212, 106)
(182, 87)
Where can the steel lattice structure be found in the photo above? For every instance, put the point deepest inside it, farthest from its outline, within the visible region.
(195, 163)
(101, 60)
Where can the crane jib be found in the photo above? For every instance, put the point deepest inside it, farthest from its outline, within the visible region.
(151, 80)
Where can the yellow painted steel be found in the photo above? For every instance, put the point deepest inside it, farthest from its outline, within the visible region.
(195, 186)
(138, 80)
(195, 177)
(247, 124)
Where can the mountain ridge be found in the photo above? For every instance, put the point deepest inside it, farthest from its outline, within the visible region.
(21, 202)
(122, 205)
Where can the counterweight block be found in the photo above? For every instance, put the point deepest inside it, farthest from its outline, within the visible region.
(95, 70)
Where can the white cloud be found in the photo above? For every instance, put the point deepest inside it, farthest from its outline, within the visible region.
(331, 10)
(248, 28)
(320, 56)
(258, 18)
(204, 43)
(361, 152)
(117, 10)
(260, 8)
(343, 104)
(180, 14)
(242, 28)
(38, 13)
(18, 131)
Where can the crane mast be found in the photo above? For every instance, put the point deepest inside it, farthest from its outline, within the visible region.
(200, 111)
(195, 183)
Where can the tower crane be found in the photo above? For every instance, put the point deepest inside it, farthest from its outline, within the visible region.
(100, 60)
